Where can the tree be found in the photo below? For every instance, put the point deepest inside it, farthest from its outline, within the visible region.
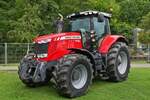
(6, 14)
(121, 28)
(110, 6)
(69, 6)
(26, 26)
(145, 23)
(36, 19)
(144, 37)
(21, 20)
(132, 11)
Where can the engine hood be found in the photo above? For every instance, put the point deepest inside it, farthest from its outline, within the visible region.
(51, 36)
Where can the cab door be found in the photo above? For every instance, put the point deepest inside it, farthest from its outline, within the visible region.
(101, 29)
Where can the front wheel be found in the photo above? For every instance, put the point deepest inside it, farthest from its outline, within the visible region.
(74, 75)
(118, 62)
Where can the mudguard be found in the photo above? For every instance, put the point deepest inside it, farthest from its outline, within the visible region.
(108, 41)
(87, 53)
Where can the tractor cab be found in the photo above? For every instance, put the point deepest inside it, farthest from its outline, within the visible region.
(93, 25)
(90, 21)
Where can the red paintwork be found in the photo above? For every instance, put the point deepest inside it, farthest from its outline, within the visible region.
(107, 42)
(48, 36)
(57, 47)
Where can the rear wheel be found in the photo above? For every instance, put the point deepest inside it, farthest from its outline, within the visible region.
(118, 62)
(74, 75)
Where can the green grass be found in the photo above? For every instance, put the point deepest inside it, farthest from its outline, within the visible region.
(137, 87)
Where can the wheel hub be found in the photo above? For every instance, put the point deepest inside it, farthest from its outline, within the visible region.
(79, 76)
(122, 62)
(76, 75)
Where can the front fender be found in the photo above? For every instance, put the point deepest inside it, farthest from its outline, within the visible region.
(87, 54)
(108, 41)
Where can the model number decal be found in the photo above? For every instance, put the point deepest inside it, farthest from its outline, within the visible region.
(70, 37)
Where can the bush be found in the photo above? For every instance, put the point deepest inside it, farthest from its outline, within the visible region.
(144, 37)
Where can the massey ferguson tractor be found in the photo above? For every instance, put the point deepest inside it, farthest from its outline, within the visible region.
(72, 59)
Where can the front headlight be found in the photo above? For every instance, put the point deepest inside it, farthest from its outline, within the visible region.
(44, 41)
(42, 55)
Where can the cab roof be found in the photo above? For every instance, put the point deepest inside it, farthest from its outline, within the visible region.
(88, 13)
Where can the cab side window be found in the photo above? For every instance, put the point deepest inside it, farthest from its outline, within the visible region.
(99, 27)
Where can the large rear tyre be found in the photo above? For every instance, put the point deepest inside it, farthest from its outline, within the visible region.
(118, 62)
(74, 75)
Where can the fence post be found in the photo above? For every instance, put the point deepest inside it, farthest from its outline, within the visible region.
(28, 48)
(6, 60)
(148, 53)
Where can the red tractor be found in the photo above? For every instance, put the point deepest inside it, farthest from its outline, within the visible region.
(72, 59)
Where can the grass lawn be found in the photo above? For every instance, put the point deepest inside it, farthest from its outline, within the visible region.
(137, 87)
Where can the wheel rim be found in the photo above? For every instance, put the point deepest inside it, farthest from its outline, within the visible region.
(79, 76)
(122, 62)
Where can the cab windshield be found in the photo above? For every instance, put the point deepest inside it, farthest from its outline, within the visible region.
(88, 24)
(82, 23)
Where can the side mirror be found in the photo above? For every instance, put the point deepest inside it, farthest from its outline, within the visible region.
(100, 18)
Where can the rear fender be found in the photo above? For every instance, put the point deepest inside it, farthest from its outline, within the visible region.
(108, 41)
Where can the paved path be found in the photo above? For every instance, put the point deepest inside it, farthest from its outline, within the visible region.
(15, 68)
(8, 68)
(141, 65)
